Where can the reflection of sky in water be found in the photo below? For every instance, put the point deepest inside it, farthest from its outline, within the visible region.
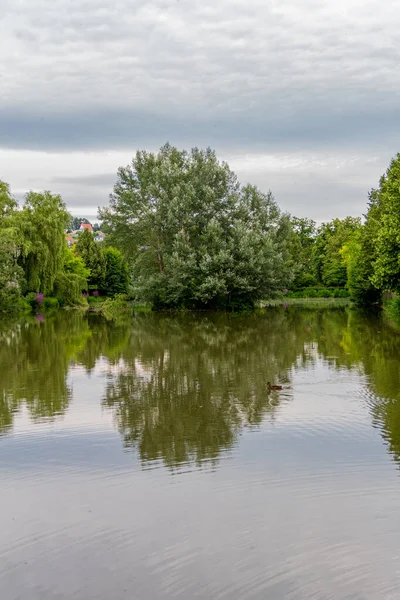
(304, 505)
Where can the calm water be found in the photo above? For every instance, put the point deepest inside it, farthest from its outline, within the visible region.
(145, 459)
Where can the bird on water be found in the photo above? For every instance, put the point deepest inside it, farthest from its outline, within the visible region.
(273, 387)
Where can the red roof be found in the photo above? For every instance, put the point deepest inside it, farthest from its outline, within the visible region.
(86, 226)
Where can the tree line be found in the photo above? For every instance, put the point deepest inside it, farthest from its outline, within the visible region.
(36, 265)
(182, 232)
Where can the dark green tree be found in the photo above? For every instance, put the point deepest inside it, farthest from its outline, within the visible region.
(116, 280)
(305, 231)
(93, 258)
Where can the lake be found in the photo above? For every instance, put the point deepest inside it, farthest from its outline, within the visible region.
(144, 458)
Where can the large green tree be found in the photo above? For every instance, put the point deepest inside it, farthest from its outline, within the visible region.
(193, 235)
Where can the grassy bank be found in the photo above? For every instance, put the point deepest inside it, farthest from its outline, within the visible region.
(305, 302)
(112, 308)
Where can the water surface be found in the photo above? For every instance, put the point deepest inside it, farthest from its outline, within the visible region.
(145, 458)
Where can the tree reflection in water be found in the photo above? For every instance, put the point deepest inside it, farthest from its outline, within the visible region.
(182, 387)
(34, 359)
(189, 384)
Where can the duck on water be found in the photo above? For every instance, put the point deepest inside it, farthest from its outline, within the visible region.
(272, 388)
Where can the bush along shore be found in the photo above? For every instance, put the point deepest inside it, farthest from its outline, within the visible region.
(182, 233)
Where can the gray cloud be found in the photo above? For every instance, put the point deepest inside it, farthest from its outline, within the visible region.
(98, 74)
(102, 180)
(243, 131)
(304, 78)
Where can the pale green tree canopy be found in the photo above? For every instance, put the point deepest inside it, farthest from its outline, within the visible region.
(193, 235)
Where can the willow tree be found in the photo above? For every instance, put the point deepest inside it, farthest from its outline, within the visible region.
(72, 280)
(42, 222)
(193, 235)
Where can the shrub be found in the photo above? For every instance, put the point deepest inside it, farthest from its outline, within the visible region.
(95, 300)
(323, 292)
(50, 303)
(11, 300)
(35, 300)
(113, 307)
(31, 298)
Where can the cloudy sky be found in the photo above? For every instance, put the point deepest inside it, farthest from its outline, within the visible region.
(300, 96)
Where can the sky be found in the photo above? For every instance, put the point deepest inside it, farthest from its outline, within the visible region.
(299, 96)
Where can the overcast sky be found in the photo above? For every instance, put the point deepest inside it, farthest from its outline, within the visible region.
(300, 96)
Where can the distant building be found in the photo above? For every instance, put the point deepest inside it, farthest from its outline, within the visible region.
(70, 241)
(99, 236)
(86, 226)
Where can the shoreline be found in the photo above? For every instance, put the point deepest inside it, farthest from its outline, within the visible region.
(108, 306)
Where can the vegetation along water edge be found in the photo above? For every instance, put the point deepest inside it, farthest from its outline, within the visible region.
(182, 233)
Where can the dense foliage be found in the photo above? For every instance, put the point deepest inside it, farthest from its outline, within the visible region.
(193, 235)
(304, 235)
(116, 278)
(363, 257)
(37, 269)
(182, 232)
